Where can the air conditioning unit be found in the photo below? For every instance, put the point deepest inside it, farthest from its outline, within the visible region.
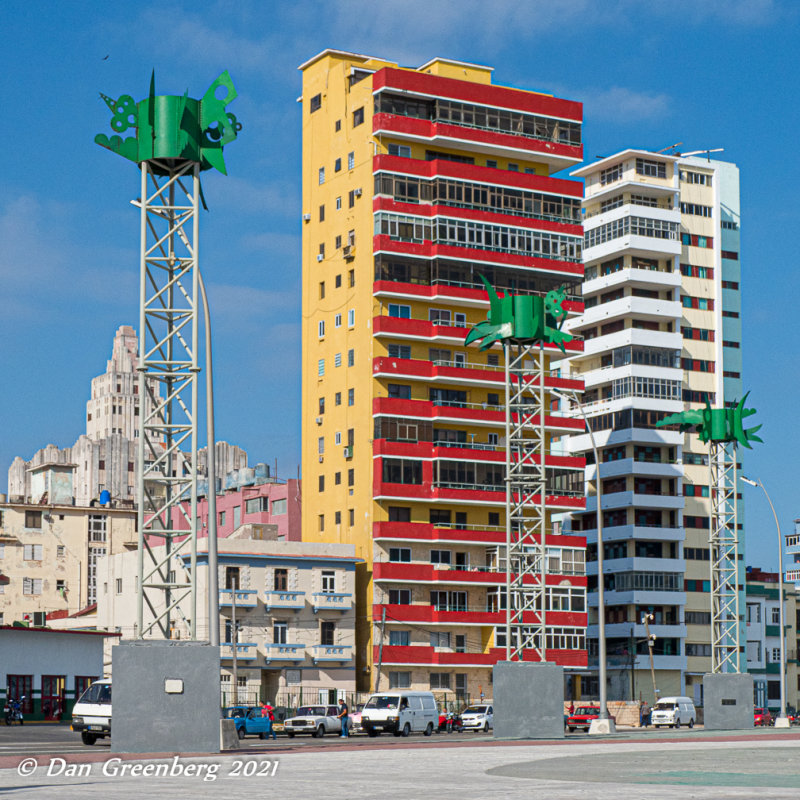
(348, 451)
(357, 192)
(320, 257)
(349, 251)
(306, 217)
(319, 420)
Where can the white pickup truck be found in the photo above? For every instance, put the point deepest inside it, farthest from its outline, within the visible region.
(316, 720)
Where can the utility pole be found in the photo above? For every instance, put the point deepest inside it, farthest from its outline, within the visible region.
(632, 650)
(380, 650)
(651, 640)
(234, 639)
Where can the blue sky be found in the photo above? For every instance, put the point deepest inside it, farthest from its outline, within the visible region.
(708, 74)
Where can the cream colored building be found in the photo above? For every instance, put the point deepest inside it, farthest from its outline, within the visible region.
(49, 555)
(294, 611)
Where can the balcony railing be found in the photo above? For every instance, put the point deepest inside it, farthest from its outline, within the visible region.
(245, 598)
(245, 651)
(471, 487)
(331, 652)
(284, 652)
(332, 601)
(280, 598)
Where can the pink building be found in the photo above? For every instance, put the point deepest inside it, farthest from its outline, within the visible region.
(271, 503)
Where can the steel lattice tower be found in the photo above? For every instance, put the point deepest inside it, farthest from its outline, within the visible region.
(724, 541)
(175, 139)
(526, 489)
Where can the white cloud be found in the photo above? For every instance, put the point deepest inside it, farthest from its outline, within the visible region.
(622, 104)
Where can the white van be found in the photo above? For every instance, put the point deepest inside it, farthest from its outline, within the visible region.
(674, 712)
(91, 714)
(401, 712)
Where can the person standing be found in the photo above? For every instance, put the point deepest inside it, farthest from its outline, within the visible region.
(344, 716)
(268, 711)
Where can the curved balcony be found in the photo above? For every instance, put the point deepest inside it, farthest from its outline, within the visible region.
(284, 652)
(245, 651)
(245, 598)
(282, 599)
(332, 601)
(644, 308)
(326, 653)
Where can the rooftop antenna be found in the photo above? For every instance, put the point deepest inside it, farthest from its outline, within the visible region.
(671, 147)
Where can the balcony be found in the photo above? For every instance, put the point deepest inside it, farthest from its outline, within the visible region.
(451, 534)
(629, 466)
(643, 532)
(245, 651)
(438, 574)
(281, 599)
(332, 601)
(321, 653)
(633, 499)
(643, 308)
(245, 598)
(284, 652)
(428, 656)
(631, 276)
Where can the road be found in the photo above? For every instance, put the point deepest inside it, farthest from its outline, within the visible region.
(637, 765)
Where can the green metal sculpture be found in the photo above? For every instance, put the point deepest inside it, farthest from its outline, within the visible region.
(530, 318)
(171, 126)
(717, 424)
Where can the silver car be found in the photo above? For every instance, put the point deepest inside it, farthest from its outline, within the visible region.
(316, 720)
(477, 718)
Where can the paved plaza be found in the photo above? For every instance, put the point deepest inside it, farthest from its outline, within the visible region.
(697, 766)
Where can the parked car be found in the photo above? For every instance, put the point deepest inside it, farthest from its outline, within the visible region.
(355, 719)
(478, 718)
(402, 712)
(582, 718)
(91, 714)
(762, 717)
(249, 721)
(316, 720)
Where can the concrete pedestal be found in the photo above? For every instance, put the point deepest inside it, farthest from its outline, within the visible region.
(727, 701)
(782, 722)
(528, 700)
(165, 697)
(599, 727)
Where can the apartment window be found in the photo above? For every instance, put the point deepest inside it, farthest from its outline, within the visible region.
(321, 523)
(61, 551)
(321, 483)
(399, 150)
(351, 160)
(776, 616)
(337, 165)
(400, 555)
(321, 328)
(696, 177)
(351, 276)
(33, 519)
(652, 169)
(513, 167)
(322, 290)
(400, 311)
(358, 116)
(397, 470)
(327, 632)
(337, 478)
(32, 552)
(351, 198)
(31, 586)
(351, 477)
(321, 445)
(440, 639)
(279, 507)
(232, 578)
(322, 249)
(337, 244)
(337, 516)
(328, 581)
(400, 597)
(118, 585)
(399, 390)
(337, 126)
(337, 399)
(321, 367)
(461, 647)
(399, 680)
(611, 174)
(221, 522)
(351, 318)
(97, 527)
(280, 580)
(279, 632)
(731, 254)
(321, 405)
(351, 513)
(351, 357)
(399, 638)
(441, 557)
(321, 175)
(337, 360)
(696, 209)
(338, 279)
(338, 203)
(351, 397)
(337, 437)
(315, 103)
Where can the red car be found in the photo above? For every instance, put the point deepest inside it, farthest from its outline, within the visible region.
(582, 718)
(762, 717)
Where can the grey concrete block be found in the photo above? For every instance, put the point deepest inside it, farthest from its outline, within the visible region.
(165, 697)
(228, 738)
(528, 700)
(727, 701)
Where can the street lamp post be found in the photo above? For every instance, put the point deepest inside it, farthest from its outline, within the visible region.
(782, 721)
(603, 724)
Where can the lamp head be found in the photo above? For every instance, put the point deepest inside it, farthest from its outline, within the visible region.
(749, 481)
